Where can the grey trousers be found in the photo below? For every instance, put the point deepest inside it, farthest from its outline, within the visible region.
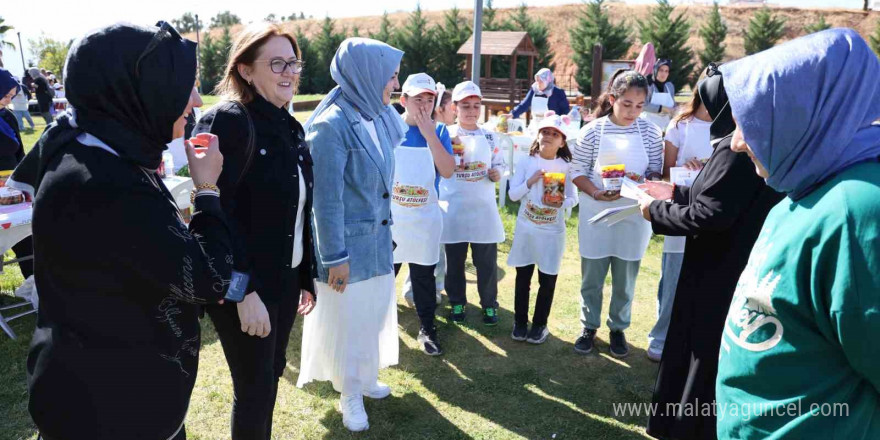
(623, 289)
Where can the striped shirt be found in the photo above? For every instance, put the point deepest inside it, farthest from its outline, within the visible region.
(586, 150)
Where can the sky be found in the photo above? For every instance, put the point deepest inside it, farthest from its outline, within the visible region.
(55, 16)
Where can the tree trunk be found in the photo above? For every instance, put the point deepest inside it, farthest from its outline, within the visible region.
(865, 7)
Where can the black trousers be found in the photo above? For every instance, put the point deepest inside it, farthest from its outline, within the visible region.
(25, 248)
(484, 256)
(546, 288)
(256, 364)
(181, 435)
(424, 291)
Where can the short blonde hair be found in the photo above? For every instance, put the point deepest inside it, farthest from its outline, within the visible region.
(244, 51)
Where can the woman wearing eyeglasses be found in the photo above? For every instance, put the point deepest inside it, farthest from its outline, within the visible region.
(266, 192)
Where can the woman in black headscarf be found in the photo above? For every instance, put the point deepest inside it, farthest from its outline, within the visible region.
(115, 351)
(721, 215)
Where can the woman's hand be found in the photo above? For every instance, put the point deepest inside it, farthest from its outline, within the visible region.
(253, 316)
(494, 175)
(693, 164)
(645, 207)
(535, 178)
(306, 302)
(205, 168)
(658, 190)
(338, 278)
(606, 196)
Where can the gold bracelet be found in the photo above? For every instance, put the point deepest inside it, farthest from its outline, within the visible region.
(202, 187)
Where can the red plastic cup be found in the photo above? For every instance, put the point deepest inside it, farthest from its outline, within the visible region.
(200, 146)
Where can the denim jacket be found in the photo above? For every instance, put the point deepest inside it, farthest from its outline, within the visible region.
(352, 203)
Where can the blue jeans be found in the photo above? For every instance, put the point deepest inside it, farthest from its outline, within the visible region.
(20, 116)
(670, 269)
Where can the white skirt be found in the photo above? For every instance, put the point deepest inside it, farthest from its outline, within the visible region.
(531, 246)
(348, 337)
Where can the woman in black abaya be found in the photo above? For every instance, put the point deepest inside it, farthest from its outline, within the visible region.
(721, 215)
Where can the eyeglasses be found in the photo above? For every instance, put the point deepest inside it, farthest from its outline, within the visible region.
(279, 66)
(165, 31)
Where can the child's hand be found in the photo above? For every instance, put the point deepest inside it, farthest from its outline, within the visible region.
(535, 178)
(494, 175)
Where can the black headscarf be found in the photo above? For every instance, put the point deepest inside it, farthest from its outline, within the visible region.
(661, 85)
(127, 86)
(712, 93)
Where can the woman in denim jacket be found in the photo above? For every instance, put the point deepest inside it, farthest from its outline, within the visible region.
(353, 330)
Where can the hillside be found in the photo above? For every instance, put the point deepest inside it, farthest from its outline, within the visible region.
(562, 18)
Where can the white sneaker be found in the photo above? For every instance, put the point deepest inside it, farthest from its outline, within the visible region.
(354, 416)
(408, 296)
(379, 390)
(654, 356)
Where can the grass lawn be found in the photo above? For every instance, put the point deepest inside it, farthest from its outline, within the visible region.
(486, 386)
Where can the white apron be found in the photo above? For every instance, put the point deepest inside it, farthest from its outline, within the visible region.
(695, 143)
(629, 238)
(540, 230)
(417, 219)
(467, 199)
(662, 120)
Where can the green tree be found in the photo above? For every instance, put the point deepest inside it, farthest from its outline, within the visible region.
(50, 54)
(272, 18)
(4, 28)
(669, 35)
(311, 65)
(355, 31)
(186, 23)
(416, 40)
(224, 19)
(818, 26)
(211, 69)
(764, 31)
(713, 32)
(489, 21)
(386, 30)
(540, 35)
(446, 66)
(594, 26)
(325, 44)
(875, 39)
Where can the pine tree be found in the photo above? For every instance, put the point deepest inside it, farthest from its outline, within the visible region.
(713, 33)
(488, 21)
(186, 23)
(875, 39)
(818, 26)
(310, 64)
(326, 43)
(765, 29)
(446, 66)
(225, 18)
(539, 33)
(416, 40)
(224, 45)
(594, 26)
(386, 30)
(355, 31)
(669, 35)
(211, 69)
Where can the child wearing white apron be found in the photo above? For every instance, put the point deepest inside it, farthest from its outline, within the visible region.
(687, 145)
(424, 155)
(469, 206)
(542, 186)
(617, 137)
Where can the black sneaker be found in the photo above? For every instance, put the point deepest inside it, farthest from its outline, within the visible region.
(457, 315)
(619, 348)
(538, 334)
(429, 341)
(584, 344)
(490, 316)
(519, 332)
